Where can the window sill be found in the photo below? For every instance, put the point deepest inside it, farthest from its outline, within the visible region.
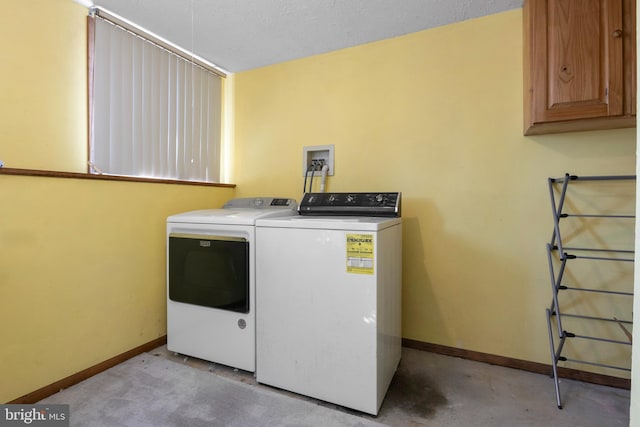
(77, 175)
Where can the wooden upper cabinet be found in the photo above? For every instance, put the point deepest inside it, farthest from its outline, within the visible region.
(579, 65)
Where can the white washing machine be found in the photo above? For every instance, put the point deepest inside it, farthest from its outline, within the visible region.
(211, 279)
(329, 299)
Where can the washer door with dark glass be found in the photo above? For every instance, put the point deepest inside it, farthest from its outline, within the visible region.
(210, 271)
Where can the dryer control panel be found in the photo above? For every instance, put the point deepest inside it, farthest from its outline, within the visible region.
(361, 204)
(260, 203)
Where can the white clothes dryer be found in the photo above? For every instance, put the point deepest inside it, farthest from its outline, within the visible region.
(211, 279)
(329, 303)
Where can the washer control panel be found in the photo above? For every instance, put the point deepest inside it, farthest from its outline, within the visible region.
(362, 204)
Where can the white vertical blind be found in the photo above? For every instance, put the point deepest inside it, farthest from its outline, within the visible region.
(154, 114)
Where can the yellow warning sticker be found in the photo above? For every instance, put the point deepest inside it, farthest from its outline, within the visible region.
(360, 253)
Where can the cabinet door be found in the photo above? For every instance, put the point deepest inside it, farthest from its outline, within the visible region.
(574, 60)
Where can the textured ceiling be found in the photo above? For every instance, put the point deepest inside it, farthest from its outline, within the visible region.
(239, 35)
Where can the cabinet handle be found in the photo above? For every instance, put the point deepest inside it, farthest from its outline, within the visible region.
(617, 34)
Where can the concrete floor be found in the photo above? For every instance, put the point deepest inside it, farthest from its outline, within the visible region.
(435, 390)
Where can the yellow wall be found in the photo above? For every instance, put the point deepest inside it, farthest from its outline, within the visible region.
(82, 272)
(437, 115)
(43, 66)
(82, 262)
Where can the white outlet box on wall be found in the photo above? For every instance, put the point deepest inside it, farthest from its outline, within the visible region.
(323, 153)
